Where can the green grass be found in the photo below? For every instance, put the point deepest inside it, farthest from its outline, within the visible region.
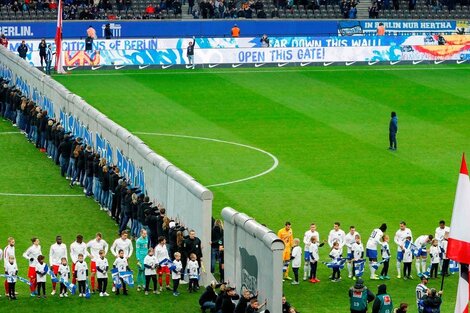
(329, 130)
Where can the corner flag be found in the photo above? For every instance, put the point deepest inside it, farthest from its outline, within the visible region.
(458, 247)
(58, 41)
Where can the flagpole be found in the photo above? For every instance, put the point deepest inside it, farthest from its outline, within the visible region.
(442, 281)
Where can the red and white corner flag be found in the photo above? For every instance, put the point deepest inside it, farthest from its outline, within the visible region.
(58, 41)
(458, 248)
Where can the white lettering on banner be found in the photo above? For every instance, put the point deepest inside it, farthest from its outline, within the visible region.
(16, 31)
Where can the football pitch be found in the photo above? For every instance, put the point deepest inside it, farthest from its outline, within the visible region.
(293, 144)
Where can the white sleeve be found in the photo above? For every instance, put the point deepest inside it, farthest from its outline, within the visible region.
(396, 239)
(113, 248)
(306, 239)
(131, 248)
(51, 255)
(26, 254)
(330, 238)
(106, 247)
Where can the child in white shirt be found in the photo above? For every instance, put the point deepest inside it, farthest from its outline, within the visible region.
(335, 255)
(150, 271)
(407, 258)
(314, 257)
(296, 259)
(176, 270)
(385, 257)
(357, 250)
(434, 252)
(81, 273)
(193, 272)
(102, 268)
(11, 269)
(41, 272)
(121, 265)
(64, 273)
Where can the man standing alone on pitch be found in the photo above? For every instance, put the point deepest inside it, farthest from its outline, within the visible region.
(393, 129)
(190, 53)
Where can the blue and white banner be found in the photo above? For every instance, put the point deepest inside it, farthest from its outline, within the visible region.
(396, 27)
(71, 287)
(292, 50)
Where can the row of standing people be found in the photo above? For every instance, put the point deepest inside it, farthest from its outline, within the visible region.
(407, 250)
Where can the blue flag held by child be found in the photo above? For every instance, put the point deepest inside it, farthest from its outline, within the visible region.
(116, 280)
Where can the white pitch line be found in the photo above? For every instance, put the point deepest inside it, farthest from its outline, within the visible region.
(272, 156)
(36, 195)
(158, 71)
(9, 133)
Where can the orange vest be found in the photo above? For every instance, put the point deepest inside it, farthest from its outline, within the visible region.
(235, 31)
(380, 31)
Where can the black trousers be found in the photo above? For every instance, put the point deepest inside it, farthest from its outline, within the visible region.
(39, 286)
(313, 270)
(102, 284)
(434, 269)
(384, 271)
(176, 283)
(63, 289)
(445, 266)
(11, 290)
(147, 282)
(81, 286)
(406, 269)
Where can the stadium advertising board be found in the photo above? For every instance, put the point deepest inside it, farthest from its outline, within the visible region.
(301, 51)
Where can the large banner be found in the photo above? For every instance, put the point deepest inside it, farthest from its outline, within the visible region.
(179, 193)
(141, 53)
(253, 258)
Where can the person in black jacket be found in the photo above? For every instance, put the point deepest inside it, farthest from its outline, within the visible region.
(64, 154)
(152, 217)
(217, 239)
(104, 188)
(244, 301)
(125, 208)
(227, 300)
(42, 51)
(208, 298)
(432, 301)
(22, 50)
(89, 158)
(392, 130)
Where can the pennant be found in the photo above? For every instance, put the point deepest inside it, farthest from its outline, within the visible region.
(71, 287)
(359, 268)
(21, 279)
(165, 262)
(54, 278)
(338, 263)
(115, 276)
(87, 291)
(127, 277)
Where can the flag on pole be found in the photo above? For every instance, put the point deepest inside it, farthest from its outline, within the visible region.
(58, 41)
(458, 248)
